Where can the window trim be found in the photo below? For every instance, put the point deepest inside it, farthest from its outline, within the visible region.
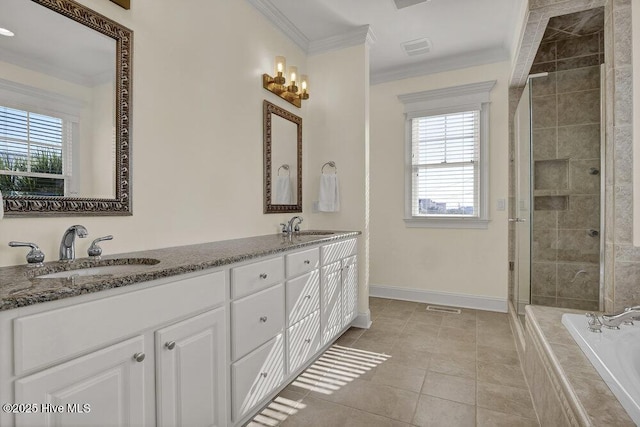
(474, 96)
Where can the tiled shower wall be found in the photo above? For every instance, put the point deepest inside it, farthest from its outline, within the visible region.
(566, 173)
(622, 259)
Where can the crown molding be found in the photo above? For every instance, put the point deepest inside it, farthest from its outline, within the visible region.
(465, 60)
(357, 36)
(277, 18)
(482, 88)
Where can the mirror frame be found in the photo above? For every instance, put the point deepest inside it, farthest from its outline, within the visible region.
(30, 206)
(269, 109)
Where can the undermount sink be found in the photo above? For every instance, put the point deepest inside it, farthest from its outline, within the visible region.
(101, 268)
(315, 233)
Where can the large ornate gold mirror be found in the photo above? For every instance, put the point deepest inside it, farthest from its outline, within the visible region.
(65, 110)
(282, 160)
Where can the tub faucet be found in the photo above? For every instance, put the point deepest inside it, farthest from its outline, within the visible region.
(627, 316)
(67, 245)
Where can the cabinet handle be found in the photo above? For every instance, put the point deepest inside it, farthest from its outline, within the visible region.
(170, 345)
(139, 357)
(263, 375)
(307, 296)
(308, 340)
(263, 319)
(306, 261)
(263, 275)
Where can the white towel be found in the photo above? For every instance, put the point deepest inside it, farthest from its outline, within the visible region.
(329, 197)
(1, 208)
(282, 191)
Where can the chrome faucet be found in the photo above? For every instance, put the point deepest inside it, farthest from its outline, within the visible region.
(67, 245)
(627, 316)
(291, 226)
(595, 325)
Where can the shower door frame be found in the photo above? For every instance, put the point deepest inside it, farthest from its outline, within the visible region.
(523, 201)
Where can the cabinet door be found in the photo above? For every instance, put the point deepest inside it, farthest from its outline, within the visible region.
(104, 388)
(349, 289)
(331, 296)
(191, 373)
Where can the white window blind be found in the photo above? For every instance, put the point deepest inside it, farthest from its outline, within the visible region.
(32, 152)
(445, 161)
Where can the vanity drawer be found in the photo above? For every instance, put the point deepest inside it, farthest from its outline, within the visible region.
(302, 262)
(303, 296)
(304, 341)
(255, 376)
(335, 251)
(53, 336)
(256, 319)
(253, 277)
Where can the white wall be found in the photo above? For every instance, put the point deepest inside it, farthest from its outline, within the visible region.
(453, 261)
(337, 129)
(196, 134)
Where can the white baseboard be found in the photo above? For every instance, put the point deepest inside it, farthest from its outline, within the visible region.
(442, 298)
(362, 320)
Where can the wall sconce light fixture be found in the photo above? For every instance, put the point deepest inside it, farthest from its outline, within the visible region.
(291, 92)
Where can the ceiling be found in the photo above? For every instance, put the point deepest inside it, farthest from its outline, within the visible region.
(458, 33)
(50, 43)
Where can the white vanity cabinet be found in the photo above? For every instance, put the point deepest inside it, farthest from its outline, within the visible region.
(208, 348)
(152, 354)
(339, 284)
(303, 308)
(257, 332)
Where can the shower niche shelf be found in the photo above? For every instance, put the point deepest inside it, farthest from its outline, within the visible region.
(551, 174)
(550, 203)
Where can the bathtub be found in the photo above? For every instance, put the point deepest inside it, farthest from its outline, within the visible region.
(616, 356)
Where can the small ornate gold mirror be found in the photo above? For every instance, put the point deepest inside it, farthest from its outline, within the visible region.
(282, 160)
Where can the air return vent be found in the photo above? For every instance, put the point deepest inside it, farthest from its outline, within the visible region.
(417, 47)
(441, 309)
(401, 4)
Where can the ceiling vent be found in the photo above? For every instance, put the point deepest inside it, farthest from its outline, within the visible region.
(401, 4)
(417, 47)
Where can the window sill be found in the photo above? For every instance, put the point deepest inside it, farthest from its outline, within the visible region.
(446, 222)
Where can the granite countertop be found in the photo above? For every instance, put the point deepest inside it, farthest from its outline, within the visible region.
(20, 287)
(594, 402)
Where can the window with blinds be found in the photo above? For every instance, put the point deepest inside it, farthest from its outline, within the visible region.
(32, 153)
(445, 154)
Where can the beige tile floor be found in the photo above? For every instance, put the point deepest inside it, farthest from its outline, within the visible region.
(411, 368)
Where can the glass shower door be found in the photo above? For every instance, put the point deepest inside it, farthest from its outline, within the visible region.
(522, 220)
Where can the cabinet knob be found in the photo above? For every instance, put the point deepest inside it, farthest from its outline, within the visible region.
(170, 345)
(263, 275)
(263, 374)
(263, 319)
(308, 340)
(306, 261)
(307, 296)
(139, 357)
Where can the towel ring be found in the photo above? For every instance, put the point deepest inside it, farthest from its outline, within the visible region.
(285, 167)
(330, 164)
